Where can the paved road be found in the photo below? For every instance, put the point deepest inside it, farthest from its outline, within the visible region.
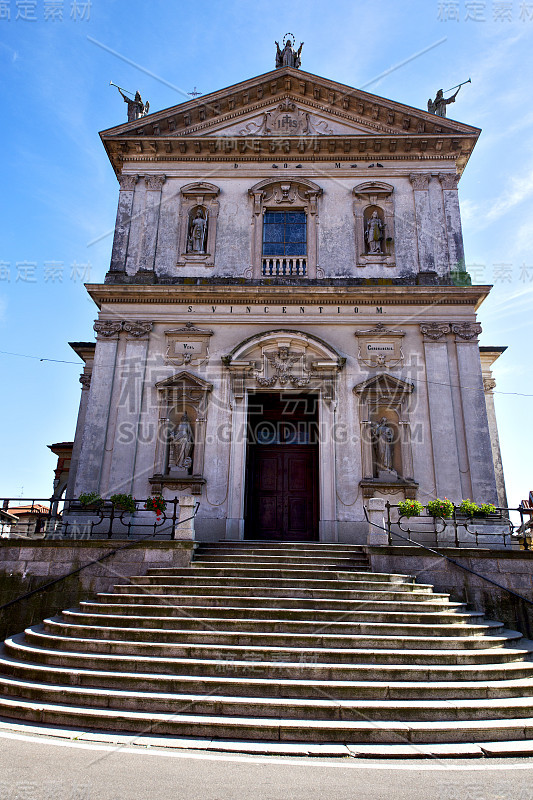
(49, 769)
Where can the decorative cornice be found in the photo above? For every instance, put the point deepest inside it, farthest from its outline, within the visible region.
(212, 294)
(420, 182)
(467, 330)
(449, 180)
(434, 330)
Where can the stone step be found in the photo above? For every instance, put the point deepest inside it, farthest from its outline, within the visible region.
(476, 687)
(363, 596)
(269, 729)
(191, 627)
(243, 608)
(18, 648)
(238, 546)
(290, 653)
(192, 579)
(327, 709)
(292, 562)
(359, 611)
(197, 570)
(411, 648)
(236, 590)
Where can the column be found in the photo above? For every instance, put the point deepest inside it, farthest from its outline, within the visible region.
(441, 412)
(489, 384)
(452, 218)
(237, 468)
(85, 381)
(154, 185)
(424, 223)
(131, 373)
(478, 442)
(89, 471)
(327, 526)
(123, 222)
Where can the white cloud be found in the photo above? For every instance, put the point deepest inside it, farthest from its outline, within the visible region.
(520, 188)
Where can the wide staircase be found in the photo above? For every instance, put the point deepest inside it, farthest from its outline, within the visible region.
(274, 642)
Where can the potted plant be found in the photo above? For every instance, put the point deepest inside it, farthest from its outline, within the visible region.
(157, 503)
(440, 508)
(90, 500)
(410, 508)
(469, 508)
(485, 509)
(124, 502)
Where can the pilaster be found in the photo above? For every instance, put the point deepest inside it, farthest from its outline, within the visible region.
(123, 222)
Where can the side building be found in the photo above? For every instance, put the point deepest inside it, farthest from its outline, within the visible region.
(287, 328)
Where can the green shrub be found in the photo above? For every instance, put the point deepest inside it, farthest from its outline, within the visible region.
(90, 499)
(410, 508)
(469, 508)
(440, 508)
(125, 502)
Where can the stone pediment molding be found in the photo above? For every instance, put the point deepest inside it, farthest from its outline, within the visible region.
(285, 191)
(185, 377)
(189, 127)
(384, 384)
(202, 189)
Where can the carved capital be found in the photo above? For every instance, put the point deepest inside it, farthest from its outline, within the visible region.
(107, 328)
(448, 180)
(489, 384)
(420, 182)
(127, 182)
(434, 330)
(137, 328)
(85, 381)
(467, 330)
(154, 183)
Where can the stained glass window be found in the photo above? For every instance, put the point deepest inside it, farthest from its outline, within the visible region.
(284, 233)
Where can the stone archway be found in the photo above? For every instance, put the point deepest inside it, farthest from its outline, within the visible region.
(291, 362)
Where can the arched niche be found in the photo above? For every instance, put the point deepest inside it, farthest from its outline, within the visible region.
(370, 197)
(198, 197)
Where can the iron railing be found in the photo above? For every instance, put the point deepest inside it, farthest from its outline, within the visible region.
(461, 530)
(53, 518)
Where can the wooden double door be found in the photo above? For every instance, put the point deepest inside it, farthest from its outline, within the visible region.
(282, 478)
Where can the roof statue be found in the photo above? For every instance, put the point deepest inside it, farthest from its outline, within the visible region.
(438, 105)
(136, 108)
(288, 57)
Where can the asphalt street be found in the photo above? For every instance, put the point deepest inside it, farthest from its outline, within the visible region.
(36, 768)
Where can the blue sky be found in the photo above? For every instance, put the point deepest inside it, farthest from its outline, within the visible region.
(59, 191)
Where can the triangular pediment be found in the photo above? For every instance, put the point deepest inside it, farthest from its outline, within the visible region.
(384, 383)
(325, 99)
(185, 379)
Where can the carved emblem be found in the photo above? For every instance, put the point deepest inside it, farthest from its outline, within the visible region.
(188, 345)
(107, 328)
(380, 346)
(434, 330)
(282, 364)
(286, 120)
(138, 329)
(466, 330)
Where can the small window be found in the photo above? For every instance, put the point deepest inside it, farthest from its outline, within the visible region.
(284, 233)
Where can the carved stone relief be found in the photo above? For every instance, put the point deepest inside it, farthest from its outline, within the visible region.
(187, 346)
(467, 330)
(434, 330)
(380, 346)
(107, 328)
(287, 120)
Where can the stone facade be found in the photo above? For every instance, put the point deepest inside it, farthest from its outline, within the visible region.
(375, 317)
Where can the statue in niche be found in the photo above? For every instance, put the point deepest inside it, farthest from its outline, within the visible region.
(181, 445)
(374, 234)
(197, 236)
(383, 441)
(288, 57)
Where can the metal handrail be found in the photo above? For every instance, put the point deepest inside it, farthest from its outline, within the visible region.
(98, 560)
(450, 560)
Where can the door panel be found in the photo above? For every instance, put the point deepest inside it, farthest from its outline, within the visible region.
(282, 492)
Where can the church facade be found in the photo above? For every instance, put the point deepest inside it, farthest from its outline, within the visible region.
(287, 328)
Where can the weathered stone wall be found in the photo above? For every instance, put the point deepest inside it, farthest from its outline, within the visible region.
(24, 567)
(511, 569)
